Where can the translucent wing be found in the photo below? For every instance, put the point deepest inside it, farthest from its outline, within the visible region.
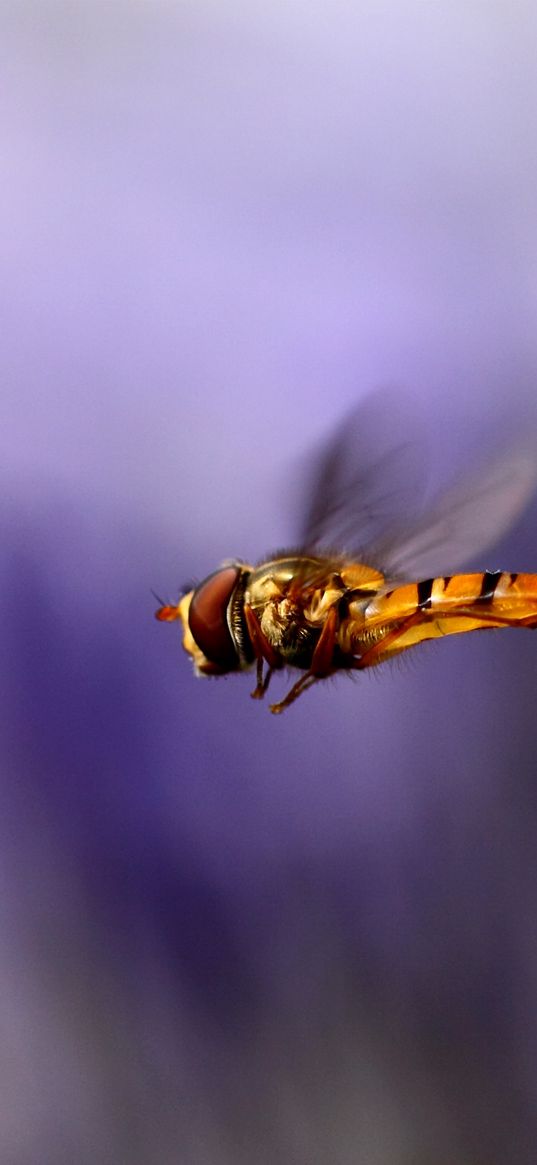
(369, 478)
(371, 499)
(464, 521)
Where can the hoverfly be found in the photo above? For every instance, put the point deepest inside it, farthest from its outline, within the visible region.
(322, 610)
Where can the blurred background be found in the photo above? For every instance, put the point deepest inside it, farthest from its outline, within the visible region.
(226, 937)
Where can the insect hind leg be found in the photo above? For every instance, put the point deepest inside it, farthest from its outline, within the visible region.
(374, 653)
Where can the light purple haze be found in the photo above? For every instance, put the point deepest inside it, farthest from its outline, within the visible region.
(229, 938)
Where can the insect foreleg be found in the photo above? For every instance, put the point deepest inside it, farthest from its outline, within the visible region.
(264, 651)
(261, 646)
(262, 684)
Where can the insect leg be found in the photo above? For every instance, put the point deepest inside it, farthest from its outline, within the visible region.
(323, 655)
(263, 650)
(260, 643)
(370, 657)
(321, 662)
(262, 684)
(305, 681)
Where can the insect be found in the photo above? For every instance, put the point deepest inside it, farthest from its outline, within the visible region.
(322, 610)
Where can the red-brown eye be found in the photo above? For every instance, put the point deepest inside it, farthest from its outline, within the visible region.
(207, 618)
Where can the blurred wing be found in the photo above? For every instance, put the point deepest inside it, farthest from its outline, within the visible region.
(464, 521)
(368, 478)
(368, 498)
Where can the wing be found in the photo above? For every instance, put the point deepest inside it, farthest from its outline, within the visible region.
(370, 496)
(370, 477)
(464, 521)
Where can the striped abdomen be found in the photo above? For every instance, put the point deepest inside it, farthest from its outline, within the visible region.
(407, 615)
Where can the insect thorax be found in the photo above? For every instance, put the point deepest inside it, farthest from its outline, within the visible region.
(291, 604)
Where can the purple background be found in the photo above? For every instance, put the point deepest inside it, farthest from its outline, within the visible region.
(228, 938)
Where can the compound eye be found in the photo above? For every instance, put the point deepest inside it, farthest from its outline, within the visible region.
(207, 618)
